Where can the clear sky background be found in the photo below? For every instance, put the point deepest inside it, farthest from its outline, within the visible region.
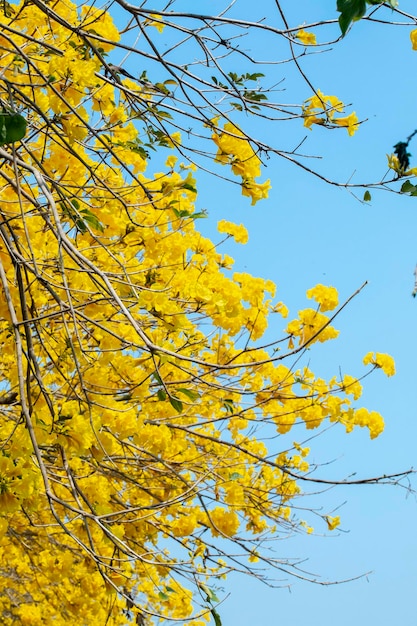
(308, 232)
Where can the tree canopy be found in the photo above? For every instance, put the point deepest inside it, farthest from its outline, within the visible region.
(144, 424)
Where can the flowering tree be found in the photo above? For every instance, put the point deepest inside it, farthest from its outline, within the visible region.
(135, 387)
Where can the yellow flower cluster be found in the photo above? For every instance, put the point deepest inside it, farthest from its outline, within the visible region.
(281, 308)
(325, 110)
(132, 386)
(371, 419)
(383, 361)
(332, 522)
(351, 386)
(224, 522)
(156, 21)
(311, 326)
(326, 297)
(306, 38)
(235, 149)
(394, 164)
(238, 232)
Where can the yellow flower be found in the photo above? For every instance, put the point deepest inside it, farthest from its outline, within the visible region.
(394, 163)
(171, 161)
(256, 191)
(375, 424)
(174, 139)
(156, 22)
(371, 419)
(326, 297)
(224, 522)
(329, 105)
(311, 326)
(350, 122)
(332, 522)
(238, 232)
(100, 22)
(413, 37)
(352, 386)
(383, 361)
(308, 39)
(234, 149)
(309, 120)
(183, 526)
(74, 130)
(281, 308)
(322, 102)
(103, 99)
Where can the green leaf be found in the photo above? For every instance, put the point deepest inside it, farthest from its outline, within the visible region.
(177, 404)
(350, 10)
(161, 87)
(254, 95)
(406, 187)
(211, 596)
(229, 405)
(254, 76)
(161, 395)
(216, 616)
(157, 377)
(409, 188)
(193, 395)
(81, 217)
(367, 196)
(182, 212)
(163, 595)
(91, 219)
(164, 114)
(12, 127)
(188, 187)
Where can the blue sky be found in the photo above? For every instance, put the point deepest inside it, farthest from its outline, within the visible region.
(308, 232)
